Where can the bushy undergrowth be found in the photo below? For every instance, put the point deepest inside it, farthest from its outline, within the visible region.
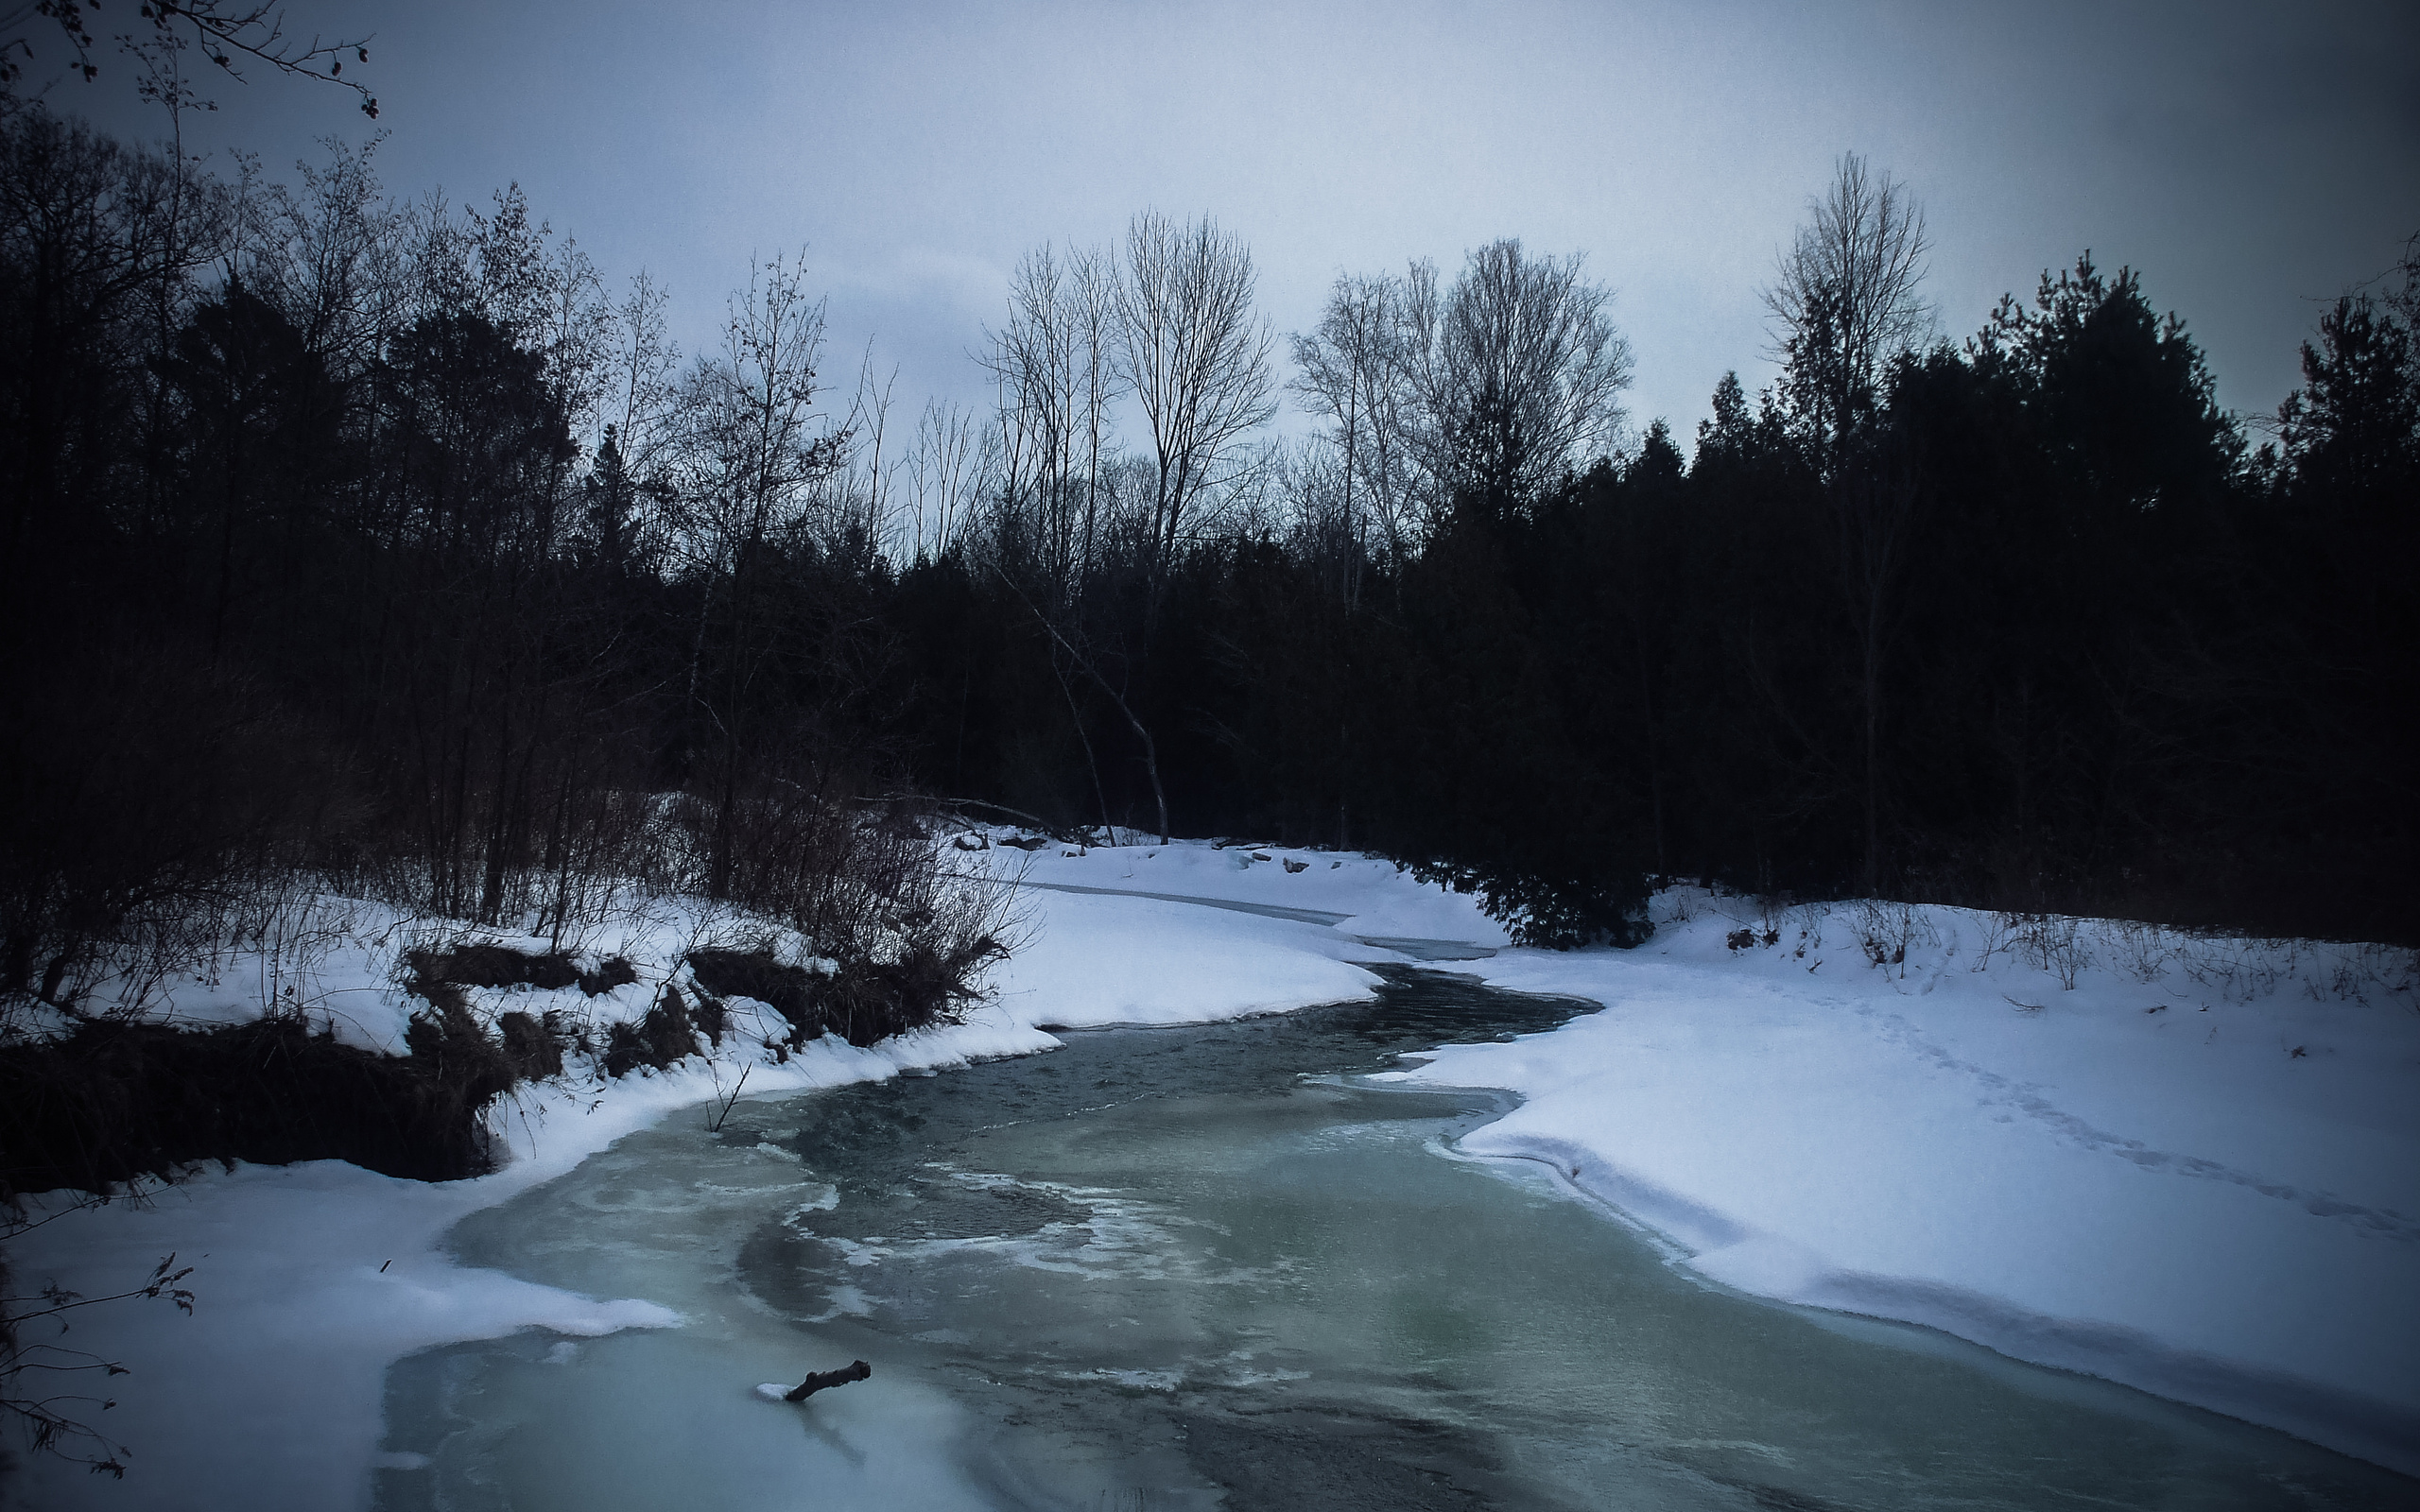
(844, 925)
(114, 1101)
(1552, 913)
(1901, 939)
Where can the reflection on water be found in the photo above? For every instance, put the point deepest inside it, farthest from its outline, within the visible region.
(1199, 1268)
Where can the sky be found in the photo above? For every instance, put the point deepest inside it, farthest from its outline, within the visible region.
(2250, 161)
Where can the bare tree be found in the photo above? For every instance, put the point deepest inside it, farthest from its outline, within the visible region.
(1534, 334)
(631, 457)
(1845, 305)
(1324, 525)
(949, 470)
(330, 256)
(1035, 365)
(232, 36)
(1844, 299)
(643, 361)
(1403, 368)
(1198, 363)
(754, 447)
(776, 444)
(1351, 370)
(854, 506)
(1094, 285)
(1057, 376)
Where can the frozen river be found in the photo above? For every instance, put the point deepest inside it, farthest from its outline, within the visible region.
(1202, 1268)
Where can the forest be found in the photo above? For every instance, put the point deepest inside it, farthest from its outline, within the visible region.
(389, 544)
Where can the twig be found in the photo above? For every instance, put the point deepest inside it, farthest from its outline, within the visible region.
(855, 1370)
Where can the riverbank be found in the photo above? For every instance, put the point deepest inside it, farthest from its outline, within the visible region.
(2190, 1165)
(311, 1278)
(1881, 1111)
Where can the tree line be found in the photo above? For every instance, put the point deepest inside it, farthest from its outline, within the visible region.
(386, 542)
(2016, 618)
(2019, 619)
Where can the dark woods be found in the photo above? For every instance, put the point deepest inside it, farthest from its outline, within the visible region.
(2019, 621)
(385, 545)
(378, 545)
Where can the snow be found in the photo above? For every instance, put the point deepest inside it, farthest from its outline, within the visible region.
(2095, 1148)
(312, 1278)
(1374, 900)
(2196, 1171)
(1100, 960)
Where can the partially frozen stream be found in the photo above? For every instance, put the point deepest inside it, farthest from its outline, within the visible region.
(1198, 1267)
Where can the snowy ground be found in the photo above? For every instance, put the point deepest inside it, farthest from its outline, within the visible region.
(2190, 1165)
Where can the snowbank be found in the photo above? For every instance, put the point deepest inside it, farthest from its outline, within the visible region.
(2192, 1166)
(1367, 898)
(313, 1279)
(1100, 960)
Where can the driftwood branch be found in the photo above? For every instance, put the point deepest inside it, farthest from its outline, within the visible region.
(855, 1370)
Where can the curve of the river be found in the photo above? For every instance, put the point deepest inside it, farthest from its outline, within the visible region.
(1203, 1267)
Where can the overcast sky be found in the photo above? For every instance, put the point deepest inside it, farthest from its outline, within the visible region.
(2249, 160)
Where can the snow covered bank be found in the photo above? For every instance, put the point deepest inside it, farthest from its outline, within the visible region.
(1369, 897)
(313, 1279)
(2190, 1165)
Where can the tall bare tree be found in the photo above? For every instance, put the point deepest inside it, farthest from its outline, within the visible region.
(1035, 365)
(329, 254)
(1198, 363)
(1847, 303)
(1351, 371)
(948, 470)
(1402, 365)
(755, 448)
(1845, 300)
(1056, 371)
(1536, 333)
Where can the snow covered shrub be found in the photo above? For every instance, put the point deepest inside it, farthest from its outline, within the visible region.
(759, 974)
(2056, 944)
(1886, 931)
(454, 1050)
(897, 938)
(1999, 932)
(533, 1044)
(889, 980)
(666, 1035)
(2143, 950)
(483, 964)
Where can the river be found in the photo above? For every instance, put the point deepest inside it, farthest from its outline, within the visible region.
(1206, 1267)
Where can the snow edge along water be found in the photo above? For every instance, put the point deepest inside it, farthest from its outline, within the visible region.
(2184, 1207)
(1103, 952)
(313, 1278)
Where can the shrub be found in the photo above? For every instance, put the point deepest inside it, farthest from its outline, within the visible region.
(1605, 907)
(666, 1035)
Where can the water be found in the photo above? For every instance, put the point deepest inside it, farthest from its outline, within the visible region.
(1194, 1268)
